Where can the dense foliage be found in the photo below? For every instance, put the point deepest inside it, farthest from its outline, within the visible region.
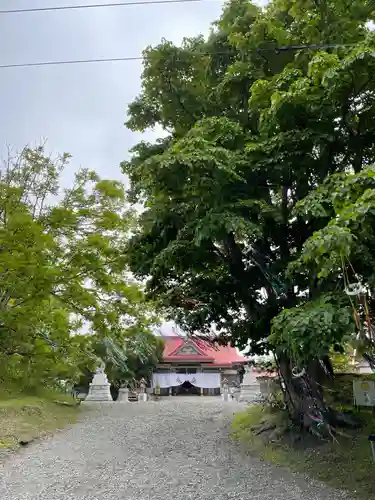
(343, 249)
(250, 134)
(264, 121)
(62, 269)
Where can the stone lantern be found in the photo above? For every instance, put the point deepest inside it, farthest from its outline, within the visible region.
(250, 388)
(123, 394)
(225, 390)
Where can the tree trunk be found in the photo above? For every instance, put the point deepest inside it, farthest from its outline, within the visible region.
(305, 399)
(303, 394)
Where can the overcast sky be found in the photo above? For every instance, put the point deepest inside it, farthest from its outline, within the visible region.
(81, 109)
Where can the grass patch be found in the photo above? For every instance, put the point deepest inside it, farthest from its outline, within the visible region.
(27, 417)
(347, 464)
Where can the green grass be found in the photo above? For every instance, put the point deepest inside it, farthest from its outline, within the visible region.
(347, 464)
(26, 417)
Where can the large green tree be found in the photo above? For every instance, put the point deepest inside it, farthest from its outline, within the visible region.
(62, 266)
(254, 123)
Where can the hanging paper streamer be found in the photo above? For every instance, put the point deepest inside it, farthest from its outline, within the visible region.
(298, 373)
(354, 289)
(365, 327)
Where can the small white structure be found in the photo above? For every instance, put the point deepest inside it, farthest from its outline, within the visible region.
(364, 392)
(100, 387)
(225, 396)
(250, 388)
(142, 396)
(123, 395)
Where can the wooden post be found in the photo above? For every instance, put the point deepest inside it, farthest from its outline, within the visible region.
(371, 438)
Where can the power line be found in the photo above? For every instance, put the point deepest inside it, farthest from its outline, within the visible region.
(78, 61)
(96, 6)
(287, 48)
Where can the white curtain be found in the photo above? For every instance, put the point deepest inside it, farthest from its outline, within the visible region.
(161, 379)
(208, 380)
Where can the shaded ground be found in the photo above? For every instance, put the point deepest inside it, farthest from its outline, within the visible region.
(344, 462)
(172, 449)
(24, 418)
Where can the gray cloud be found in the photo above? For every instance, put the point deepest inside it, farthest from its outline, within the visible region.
(81, 108)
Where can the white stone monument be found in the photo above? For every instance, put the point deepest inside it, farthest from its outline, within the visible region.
(250, 388)
(100, 387)
(123, 395)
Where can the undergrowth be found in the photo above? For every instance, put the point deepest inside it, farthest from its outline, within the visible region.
(25, 416)
(346, 464)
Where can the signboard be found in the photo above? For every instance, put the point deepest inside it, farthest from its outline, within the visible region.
(364, 392)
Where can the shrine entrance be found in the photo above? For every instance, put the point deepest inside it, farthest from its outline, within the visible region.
(186, 381)
(187, 389)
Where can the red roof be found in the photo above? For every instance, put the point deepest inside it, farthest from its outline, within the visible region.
(203, 352)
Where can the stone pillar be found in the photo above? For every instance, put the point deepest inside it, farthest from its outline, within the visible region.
(142, 396)
(123, 395)
(170, 389)
(225, 390)
(100, 387)
(200, 370)
(250, 389)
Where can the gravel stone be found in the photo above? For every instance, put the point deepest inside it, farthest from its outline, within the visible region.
(174, 449)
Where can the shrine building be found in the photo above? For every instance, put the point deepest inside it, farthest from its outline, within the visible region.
(196, 366)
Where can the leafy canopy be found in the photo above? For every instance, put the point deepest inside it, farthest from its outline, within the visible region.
(62, 267)
(251, 131)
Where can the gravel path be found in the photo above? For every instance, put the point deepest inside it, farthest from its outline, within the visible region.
(175, 449)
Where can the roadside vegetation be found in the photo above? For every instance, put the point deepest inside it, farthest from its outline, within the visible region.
(26, 417)
(345, 462)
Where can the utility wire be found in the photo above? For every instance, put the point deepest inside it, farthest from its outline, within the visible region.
(78, 61)
(95, 6)
(287, 48)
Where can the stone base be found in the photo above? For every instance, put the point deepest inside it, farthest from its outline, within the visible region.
(142, 396)
(94, 403)
(99, 393)
(123, 395)
(225, 396)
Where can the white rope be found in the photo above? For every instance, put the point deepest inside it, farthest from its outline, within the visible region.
(298, 374)
(354, 289)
